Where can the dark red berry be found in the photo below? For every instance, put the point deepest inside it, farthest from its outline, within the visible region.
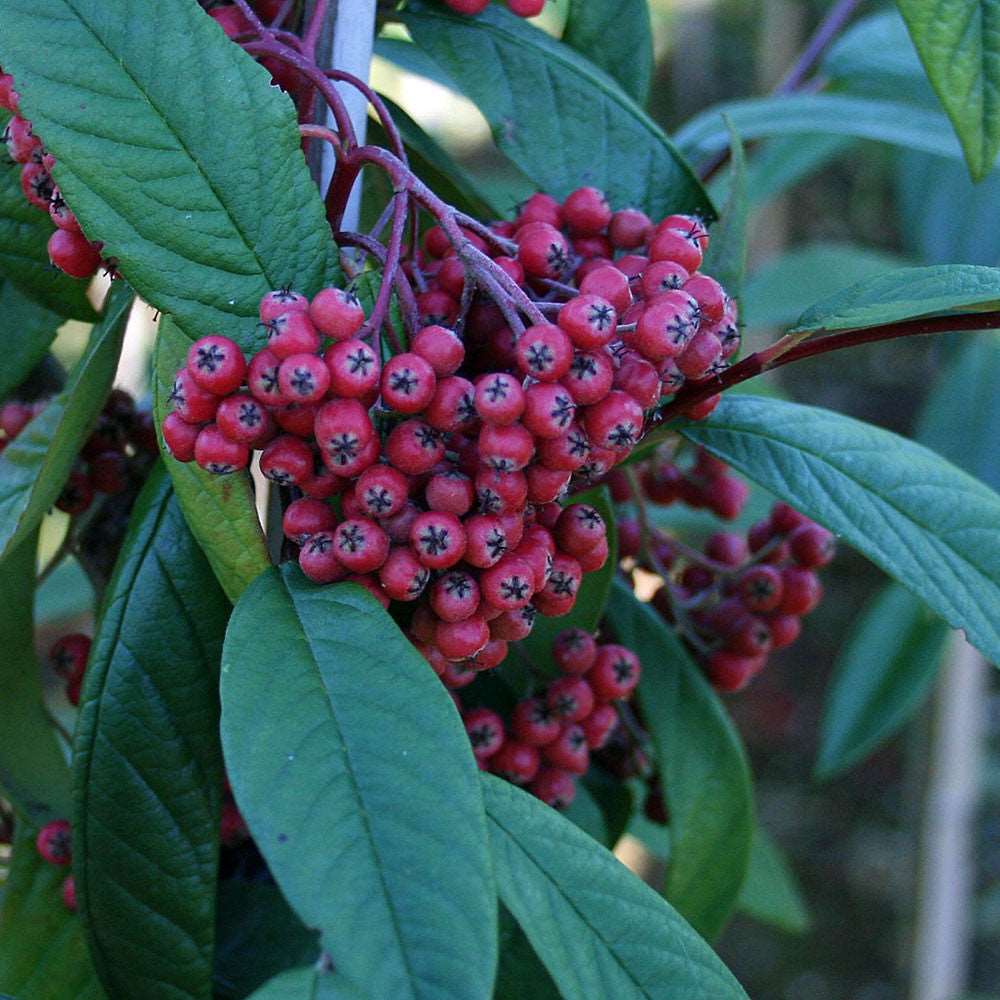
(615, 673)
(54, 842)
(216, 364)
(215, 453)
(336, 313)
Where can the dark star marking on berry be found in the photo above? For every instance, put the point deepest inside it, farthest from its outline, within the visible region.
(562, 410)
(496, 543)
(539, 357)
(435, 540)
(562, 584)
(404, 382)
(426, 437)
(497, 389)
(351, 538)
(249, 415)
(458, 585)
(342, 448)
(622, 436)
(209, 358)
(600, 316)
(378, 500)
(514, 588)
(360, 361)
(319, 544)
(302, 381)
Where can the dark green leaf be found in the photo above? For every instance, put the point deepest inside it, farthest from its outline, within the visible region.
(888, 121)
(613, 798)
(770, 893)
(906, 293)
(24, 256)
(257, 936)
(958, 45)
(560, 119)
(175, 151)
(703, 767)
(925, 522)
(521, 975)
(147, 762)
(726, 259)
(35, 466)
(34, 774)
(31, 328)
(341, 744)
(219, 509)
(42, 952)
(594, 590)
(783, 288)
(616, 36)
(309, 984)
(883, 673)
(599, 929)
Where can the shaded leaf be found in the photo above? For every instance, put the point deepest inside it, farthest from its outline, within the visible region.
(34, 467)
(147, 761)
(726, 259)
(31, 329)
(521, 974)
(702, 764)
(328, 712)
(770, 893)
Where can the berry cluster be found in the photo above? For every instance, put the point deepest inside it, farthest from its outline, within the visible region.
(68, 657)
(55, 844)
(117, 454)
(739, 598)
(69, 249)
(547, 741)
(523, 8)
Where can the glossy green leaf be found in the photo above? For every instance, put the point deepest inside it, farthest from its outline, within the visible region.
(883, 673)
(147, 762)
(342, 745)
(770, 893)
(558, 117)
(34, 775)
(783, 288)
(31, 328)
(959, 45)
(35, 466)
(906, 293)
(42, 951)
(704, 769)
(594, 590)
(922, 520)
(599, 929)
(893, 122)
(726, 259)
(173, 149)
(24, 257)
(219, 509)
(616, 36)
(310, 983)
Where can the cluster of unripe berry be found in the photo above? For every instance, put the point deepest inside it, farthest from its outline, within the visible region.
(741, 597)
(117, 454)
(546, 742)
(55, 844)
(69, 249)
(523, 8)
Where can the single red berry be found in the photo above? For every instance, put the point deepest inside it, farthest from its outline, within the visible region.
(22, 143)
(343, 429)
(594, 558)
(542, 250)
(54, 842)
(414, 447)
(614, 423)
(515, 762)
(730, 671)
(305, 517)
(699, 411)
(811, 545)
(663, 276)
(629, 228)
(559, 594)
(453, 406)
(451, 491)
(590, 377)
(440, 348)
(262, 378)
(457, 674)
(801, 592)
(549, 410)
(503, 493)
(540, 207)
(664, 329)
(726, 547)
(318, 558)
(460, 640)
(485, 729)
(598, 726)
(675, 245)
(760, 588)
(615, 673)
(785, 518)
(569, 749)
(499, 398)
(751, 638)
(292, 333)
(281, 300)
(574, 651)
(303, 378)
(439, 540)
(37, 186)
(727, 496)
(690, 225)
(586, 211)
(361, 545)
(408, 383)
(73, 253)
(533, 723)
(287, 461)
(216, 364)
(589, 321)
(9, 97)
(179, 436)
(242, 418)
(579, 527)
(402, 575)
(544, 352)
(215, 453)
(454, 596)
(190, 401)
(382, 491)
(554, 786)
(486, 540)
(336, 313)
(639, 379)
(526, 8)
(436, 308)
(512, 626)
(784, 630)
(505, 449)
(68, 655)
(546, 484)
(509, 584)
(77, 494)
(570, 698)
(697, 359)
(710, 295)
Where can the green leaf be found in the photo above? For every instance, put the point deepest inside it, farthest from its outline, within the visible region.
(219, 509)
(906, 293)
(958, 44)
(599, 929)
(783, 288)
(926, 523)
(32, 328)
(770, 893)
(521, 975)
(726, 259)
(558, 117)
(616, 36)
(883, 673)
(35, 466)
(593, 595)
(147, 762)
(309, 984)
(894, 122)
(173, 149)
(34, 774)
(702, 763)
(24, 255)
(342, 745)
(42, 952)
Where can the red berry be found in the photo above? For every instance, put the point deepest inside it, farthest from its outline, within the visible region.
(590, 377)
(579, 527)
(68, 656)
(453, 406)
(784, 630)
(544, 352)
(750, 638)
(77, 494)
(526, 8)
(607, 282)
(215, 453)
(569, 749)
(361, 545)
(614, 423)
(811, 545)
(555, 787)
(533, 723)
(501, 492)
(336, 313)
(440, 348)
(179, 436)
(468, 6)
(726, 547)
(37, 185)
(304, 517)
(499, 398)
(408, 383)
(549, 410)
(598, 725)
(414, 447)
(292, 333)
(439, 540)
(262, 378)
(559, 594)
(296, 418)
(615, 673)
(760, 588)
(287, 461)
(699, 411)
(710, 295)
(318, 559)
(731, 672)
(663, 276)
(190, 401)
(697, 359)
(382, 491)
(242, 418)
(505, 449)
(216, 364)
(785, 519)
(402, 575)
(664, 329)
(68, 893)
(455, 596)
(586, 211)
(639, 379)
(570, 698)
(542, 250)
(690, 225)
(343, 429)
(460, 640)
(486, 540)
(509, 584)
(802, 591)
(281, 300)
(727, 496)
(540, 207)
(629, 228)
(9, 97)
(22, 144)
(450, 491)
(589, 321)
(513, 626)
(109, 472)
(54, 842)
(546, 484)
(303, 378)
(71, 252)
(674, 245)
(515, 762)
(574, 651)
(485, 729)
